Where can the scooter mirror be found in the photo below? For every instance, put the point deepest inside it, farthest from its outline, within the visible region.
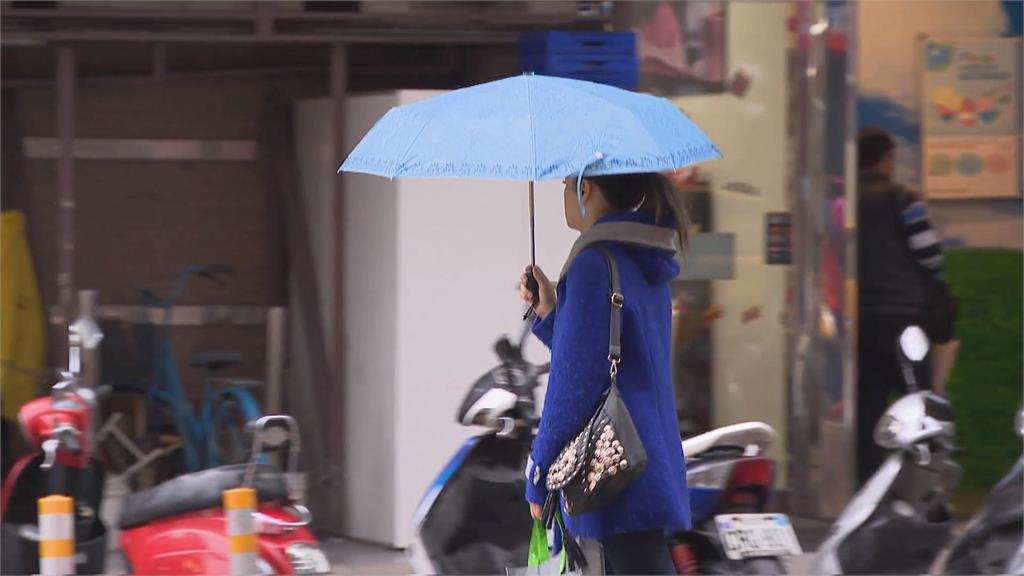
(505, 350)
(914, 343)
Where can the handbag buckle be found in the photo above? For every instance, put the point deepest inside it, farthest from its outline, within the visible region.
(618, 299)
(614, 370)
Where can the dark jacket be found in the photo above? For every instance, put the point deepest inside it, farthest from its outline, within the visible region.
(577, 333)
(890, 280)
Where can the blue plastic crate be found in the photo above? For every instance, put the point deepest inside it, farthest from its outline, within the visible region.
(620, 74)
(586, 43)
(606, 57)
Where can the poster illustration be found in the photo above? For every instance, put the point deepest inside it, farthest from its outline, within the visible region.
(972, 167)
(971, 117)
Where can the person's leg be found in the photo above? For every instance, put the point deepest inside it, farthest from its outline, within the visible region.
(637, 553)
(873, 380)
(923, 369)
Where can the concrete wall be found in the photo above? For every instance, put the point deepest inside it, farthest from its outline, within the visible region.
(748, 375)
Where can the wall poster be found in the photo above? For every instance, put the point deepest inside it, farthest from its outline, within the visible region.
(970, 117)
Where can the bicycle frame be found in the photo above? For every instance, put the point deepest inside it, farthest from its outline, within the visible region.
(197, 427)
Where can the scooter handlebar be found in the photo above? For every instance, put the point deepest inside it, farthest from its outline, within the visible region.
(64, 438)
(49, 453)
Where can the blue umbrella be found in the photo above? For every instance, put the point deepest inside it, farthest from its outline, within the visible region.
(531, 127)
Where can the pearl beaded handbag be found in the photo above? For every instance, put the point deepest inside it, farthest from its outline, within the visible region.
(594, 468)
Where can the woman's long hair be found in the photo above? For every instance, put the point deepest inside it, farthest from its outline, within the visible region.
(647, 191)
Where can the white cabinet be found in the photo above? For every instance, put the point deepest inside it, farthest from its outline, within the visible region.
(430, 281)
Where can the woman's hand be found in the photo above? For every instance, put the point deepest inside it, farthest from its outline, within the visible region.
(545, 301)
(537, 511)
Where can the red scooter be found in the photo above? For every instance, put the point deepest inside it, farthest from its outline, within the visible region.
(59, 426)
(180, 526)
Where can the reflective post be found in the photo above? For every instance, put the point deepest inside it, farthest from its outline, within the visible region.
(239, 506)
(56, 536)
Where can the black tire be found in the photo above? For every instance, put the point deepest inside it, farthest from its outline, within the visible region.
(765, 566)
(229, 429)
(721, 566)
(163, 425)
(991, 555)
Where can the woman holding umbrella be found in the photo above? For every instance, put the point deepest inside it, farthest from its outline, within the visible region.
(638, 219)
(613, 143)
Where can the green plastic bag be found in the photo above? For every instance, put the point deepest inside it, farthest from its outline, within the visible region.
(539, 561)
(538, 545)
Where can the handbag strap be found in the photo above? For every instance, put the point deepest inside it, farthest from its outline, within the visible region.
(617, 302)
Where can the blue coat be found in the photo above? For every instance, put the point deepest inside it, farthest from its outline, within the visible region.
(577, 334)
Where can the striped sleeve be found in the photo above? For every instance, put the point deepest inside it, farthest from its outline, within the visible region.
(925, 245)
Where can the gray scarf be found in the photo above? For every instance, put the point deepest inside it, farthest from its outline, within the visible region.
(626, 232)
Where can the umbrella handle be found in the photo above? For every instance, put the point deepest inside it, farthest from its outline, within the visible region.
(531, 281)
(534, 287)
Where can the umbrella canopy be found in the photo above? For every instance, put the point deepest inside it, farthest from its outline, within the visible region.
(531, 127)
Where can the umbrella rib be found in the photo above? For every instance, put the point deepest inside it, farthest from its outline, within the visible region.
(412, 142)
(533, 133)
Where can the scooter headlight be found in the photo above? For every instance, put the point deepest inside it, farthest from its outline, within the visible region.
(307, 559)
(887, 432)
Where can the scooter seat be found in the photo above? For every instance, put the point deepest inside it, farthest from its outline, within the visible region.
(743, 434)
(198, 491)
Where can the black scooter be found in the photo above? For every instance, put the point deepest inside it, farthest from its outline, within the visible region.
(993, 542)
(473, 519)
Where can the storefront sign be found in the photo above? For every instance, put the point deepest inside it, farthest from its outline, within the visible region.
(778, 228)
(971, 117)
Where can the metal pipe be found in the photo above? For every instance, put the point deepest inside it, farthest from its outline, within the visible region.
(264, 19)
(365, 36)
(65, 113)
(850, 302)
(91, 337)
(533, 233)
(447, 68)
(149, 78)
(180, 315)
(276, 336)
(159, 61)
(417, 18)
(145, 149)
(335, 448)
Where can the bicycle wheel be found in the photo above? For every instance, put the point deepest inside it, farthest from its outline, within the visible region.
(165, 428)
(228, 437)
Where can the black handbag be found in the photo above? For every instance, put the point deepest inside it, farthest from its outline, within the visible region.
(941, 309)
(598, 464)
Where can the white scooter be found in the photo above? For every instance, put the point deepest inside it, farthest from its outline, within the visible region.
(900, 520)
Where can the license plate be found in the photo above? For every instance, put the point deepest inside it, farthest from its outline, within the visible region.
(757, 535)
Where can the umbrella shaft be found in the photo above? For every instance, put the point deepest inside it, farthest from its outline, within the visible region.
(533, 238)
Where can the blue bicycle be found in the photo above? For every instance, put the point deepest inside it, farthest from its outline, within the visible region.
(214, 432)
